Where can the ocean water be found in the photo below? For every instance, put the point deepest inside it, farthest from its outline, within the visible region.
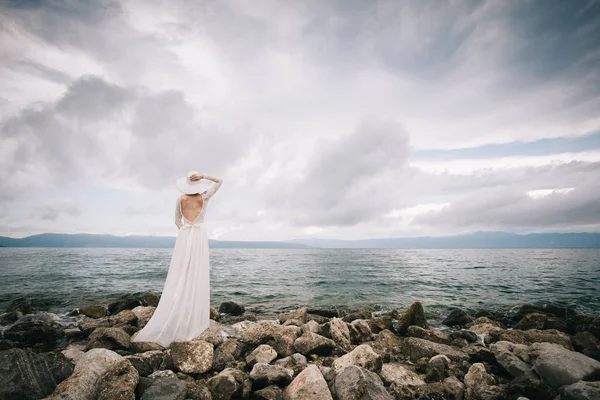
(274, 280)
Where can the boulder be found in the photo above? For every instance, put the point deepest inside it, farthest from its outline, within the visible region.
(193, 357)
(414, 315)
(164, 385)
(227, 354)
(109, 338)
(94, 311)
(88, 325)
(558, 366)
(264, 375)
(360, 331)
(354, 382)
(143, 315)
(297, 362)
(580, 391)
(363, 356)
(214, 314)
(74, 352)
(308, 385)
(325, 312)
(313, 343)
(42, 330)
(437, 368)
(504, 353)
(127, 303)
(125, 317)
(299, 314)
(312, 326)
(28, 375)
(340, 333)
(482, 386)
(86, 380)
(433, 335)
(377, 324)
(213, 334)
(231, 308)
(150, 299)
(142, 347)
(457, 317)
(532, 321)
(400, 375)
(415, 348)
(148, 362)
(532, 336)
(228, 384)
(281, 338)
(119, 382)
(263, 353)
(271, 392)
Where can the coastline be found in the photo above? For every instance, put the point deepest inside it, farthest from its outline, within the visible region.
(246, 353)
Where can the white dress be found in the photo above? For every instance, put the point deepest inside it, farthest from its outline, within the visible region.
(184, 308)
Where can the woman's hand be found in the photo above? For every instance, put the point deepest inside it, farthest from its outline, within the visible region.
(196, 177)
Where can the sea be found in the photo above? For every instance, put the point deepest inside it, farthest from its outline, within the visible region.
(276, 280)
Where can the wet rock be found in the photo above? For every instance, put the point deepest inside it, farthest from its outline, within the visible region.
(226, 354)
(312, 343)
(414, 315)
(164, 385)
(143, 315)
(22, 305)
(147, 363)
(232, 308)
(416, 348)
(324, 312)
(587, 343)
(357, 313)
(354, 382)
(94, 311)
(41, 330)
(150, 299)
(377, 324)
(480, 385)
(10, 317)
(193, 357)
(119, 382)
(457, 317)
(263, 353)
(109, 338)
(127, 303)
(533, 336)
(433, 335)
(299, 314)
(397, 373)
(28, 375)
(125, 317)
(363, 356)
(308, 385)
(297, 362)
(340, 333)
(88, 325)
(437, 368)
(558, 366)
(227, 385)
(360, 331)
(86, 379)
(581, 391)
(264, 375)
(532, 321)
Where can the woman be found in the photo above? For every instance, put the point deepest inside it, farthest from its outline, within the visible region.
(183, 312)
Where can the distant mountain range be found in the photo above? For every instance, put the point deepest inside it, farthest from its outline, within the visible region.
(478, 240)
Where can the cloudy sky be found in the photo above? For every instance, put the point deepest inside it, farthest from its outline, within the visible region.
(333, 119)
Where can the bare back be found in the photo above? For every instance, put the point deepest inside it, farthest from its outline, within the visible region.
(191, 206)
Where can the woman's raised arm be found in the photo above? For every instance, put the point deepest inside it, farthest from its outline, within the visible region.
(208, 193)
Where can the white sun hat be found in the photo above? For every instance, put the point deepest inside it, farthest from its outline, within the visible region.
(187, 186)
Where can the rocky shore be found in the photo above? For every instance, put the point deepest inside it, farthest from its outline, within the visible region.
(528, 352)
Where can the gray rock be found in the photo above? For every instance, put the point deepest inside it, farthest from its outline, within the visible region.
(281, 338)
(340, 333)
(88, 325)
(414, 315)
(28, 375)
(227, 354)
(558, 366)
(123, 304)
(481, 386)
(457, 317)
(466, 334)
(437, 368)
(125, 317)
(416, 348)
(262, 353)
(397, 373)
(363, 356)
(232, 308)
(312, 326)
(36, 329)
(299, 314)
(227, 385)
(354, 382)
(264, 375)
(193, 357)
(143, 315)
(94, 311)
(165, 386)
(455, 387)
(433, 335)
(379, 323)
(308, 385)
(272, 392)
(503, 352)
(150, 299)
(360, 331)
(313, 343)
(532, 321)
(109, 338)
(142, 347)
(213, 334)
(581, 391)
(119, 382)
(147, 363)
(297, 362)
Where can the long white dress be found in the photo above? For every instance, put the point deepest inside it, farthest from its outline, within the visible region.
(183, 312)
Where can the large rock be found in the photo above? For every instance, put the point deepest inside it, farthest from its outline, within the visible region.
(231, 308)
(86, 380)
(27, 375)
(264, 375)
(164, 385)
(88, 325)
(414, 315)
(532, 336)
(581, 391)
(300, 314)
(433, 335)
(150, 299)
(213, 334)
(308, 385)
(480, 385)
(504, 353)
(227, 354)
(377, 324)
(363, 356)
(297, 362)
(109, 338)
(94, 311)
(416, 348)
(127, 303)
(400, 375)
(36, 329)
(262, 353)
(193, 357)
(354, 382)
(360, 331)
(313, 343)
(340, 333)
(143, 315)
(125, 317)
(559, 366)
(271, 392)
(119, 382)
(227, 385)
(147, 363)
(457, 317)
(532, 321)
(281, 338)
